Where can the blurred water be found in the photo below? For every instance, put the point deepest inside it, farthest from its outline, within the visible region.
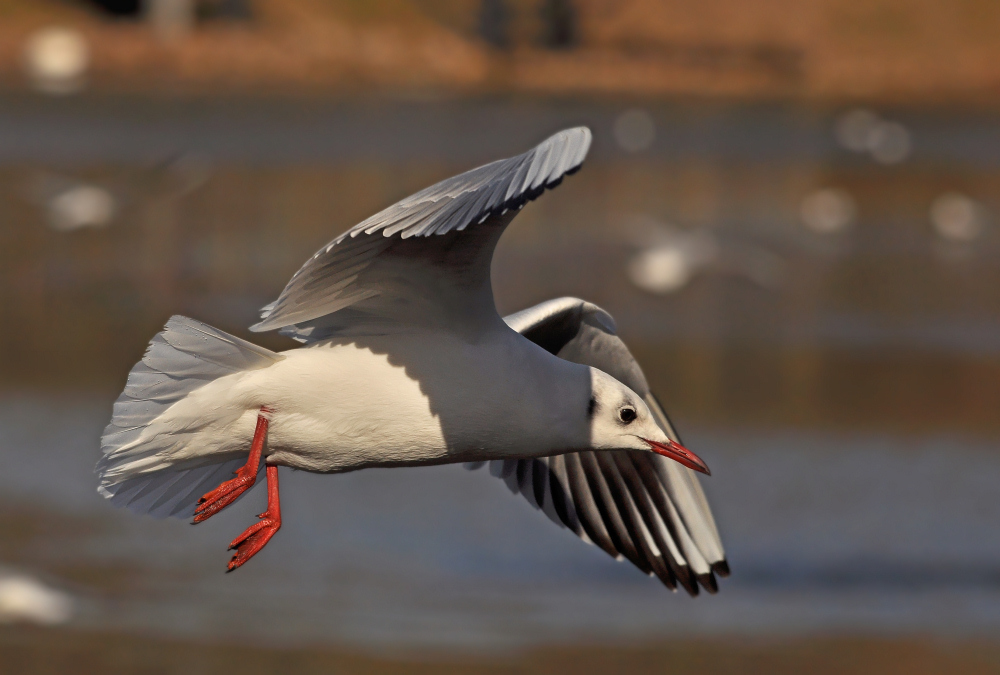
(879, 326)
(97, 129)
(848, 413)
(842, 533)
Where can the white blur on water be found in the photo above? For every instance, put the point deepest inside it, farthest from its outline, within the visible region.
(24, 599)
(634, 130)
(81, 206)
(862, 130)
(957, 218)
(664, 269)
(828, 211)
(56, 60)
(669, 258)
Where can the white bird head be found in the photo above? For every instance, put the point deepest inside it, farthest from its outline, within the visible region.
(620, 420)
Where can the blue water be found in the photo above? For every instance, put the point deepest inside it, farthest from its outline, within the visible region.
(824, 533)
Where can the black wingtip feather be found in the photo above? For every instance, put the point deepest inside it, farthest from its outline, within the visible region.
(709, 583)
(663, 572)
(559, 499)
(539, 479)
(721, 568)
(534, 193)
(686, 579)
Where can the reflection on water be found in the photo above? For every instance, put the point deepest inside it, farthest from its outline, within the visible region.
(836, 408)
(824, 532)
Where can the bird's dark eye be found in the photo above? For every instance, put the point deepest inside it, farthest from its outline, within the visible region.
(627, 415)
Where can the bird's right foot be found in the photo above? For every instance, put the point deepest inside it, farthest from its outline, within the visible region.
(248, 544)
(227, 493)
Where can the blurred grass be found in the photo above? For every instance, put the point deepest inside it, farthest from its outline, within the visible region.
(28, 651)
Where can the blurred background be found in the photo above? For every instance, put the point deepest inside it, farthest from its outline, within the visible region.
(791, 208)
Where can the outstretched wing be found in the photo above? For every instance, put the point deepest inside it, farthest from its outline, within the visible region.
(425, 259)
(636, 505)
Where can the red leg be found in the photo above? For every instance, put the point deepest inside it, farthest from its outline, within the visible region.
(246, 476)
(257, 535)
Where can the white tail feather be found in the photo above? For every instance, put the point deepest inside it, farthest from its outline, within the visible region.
(183, 357)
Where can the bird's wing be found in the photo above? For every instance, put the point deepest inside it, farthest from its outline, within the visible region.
(633, 504)
(425, 259)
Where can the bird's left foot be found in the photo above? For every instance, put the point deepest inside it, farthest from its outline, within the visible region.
(248, 544)
(227, 493)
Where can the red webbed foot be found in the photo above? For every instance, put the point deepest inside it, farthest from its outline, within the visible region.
(227, 493)
(248, 544)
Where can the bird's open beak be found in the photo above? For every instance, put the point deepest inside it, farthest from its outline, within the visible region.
(679, 453)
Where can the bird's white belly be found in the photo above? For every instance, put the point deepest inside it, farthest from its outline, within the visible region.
(332, 408)
(341, 407)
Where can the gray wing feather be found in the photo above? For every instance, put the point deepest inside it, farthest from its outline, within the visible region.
(170, 493)
(475, 197)
(184, 356)
(633, 505)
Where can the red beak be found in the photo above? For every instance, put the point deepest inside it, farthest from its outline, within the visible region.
(679, 453)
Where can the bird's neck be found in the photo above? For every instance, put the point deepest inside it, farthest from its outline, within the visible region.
(534, 404)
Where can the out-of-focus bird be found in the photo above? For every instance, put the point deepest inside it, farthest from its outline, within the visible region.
(669, 258)
(25, 599)
(407, 362)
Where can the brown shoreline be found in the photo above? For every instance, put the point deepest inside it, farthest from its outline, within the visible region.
(831, 51)
(37, 651)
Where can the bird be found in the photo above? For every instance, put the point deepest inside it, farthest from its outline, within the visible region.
(404, 360)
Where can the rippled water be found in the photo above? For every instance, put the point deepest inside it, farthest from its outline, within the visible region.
(844, 533)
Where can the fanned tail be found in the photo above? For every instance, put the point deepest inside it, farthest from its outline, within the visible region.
(136, 470)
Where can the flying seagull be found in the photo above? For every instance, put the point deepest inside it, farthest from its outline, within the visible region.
(406, 362)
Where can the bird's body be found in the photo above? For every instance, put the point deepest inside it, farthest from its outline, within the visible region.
(407, 362)
(418, 398)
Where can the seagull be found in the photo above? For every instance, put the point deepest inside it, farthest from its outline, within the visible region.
(405, 361)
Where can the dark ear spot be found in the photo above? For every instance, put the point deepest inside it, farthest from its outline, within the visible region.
(591, 407)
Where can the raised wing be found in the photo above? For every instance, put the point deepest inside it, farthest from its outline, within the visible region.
(634, 505)
(416, 262)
